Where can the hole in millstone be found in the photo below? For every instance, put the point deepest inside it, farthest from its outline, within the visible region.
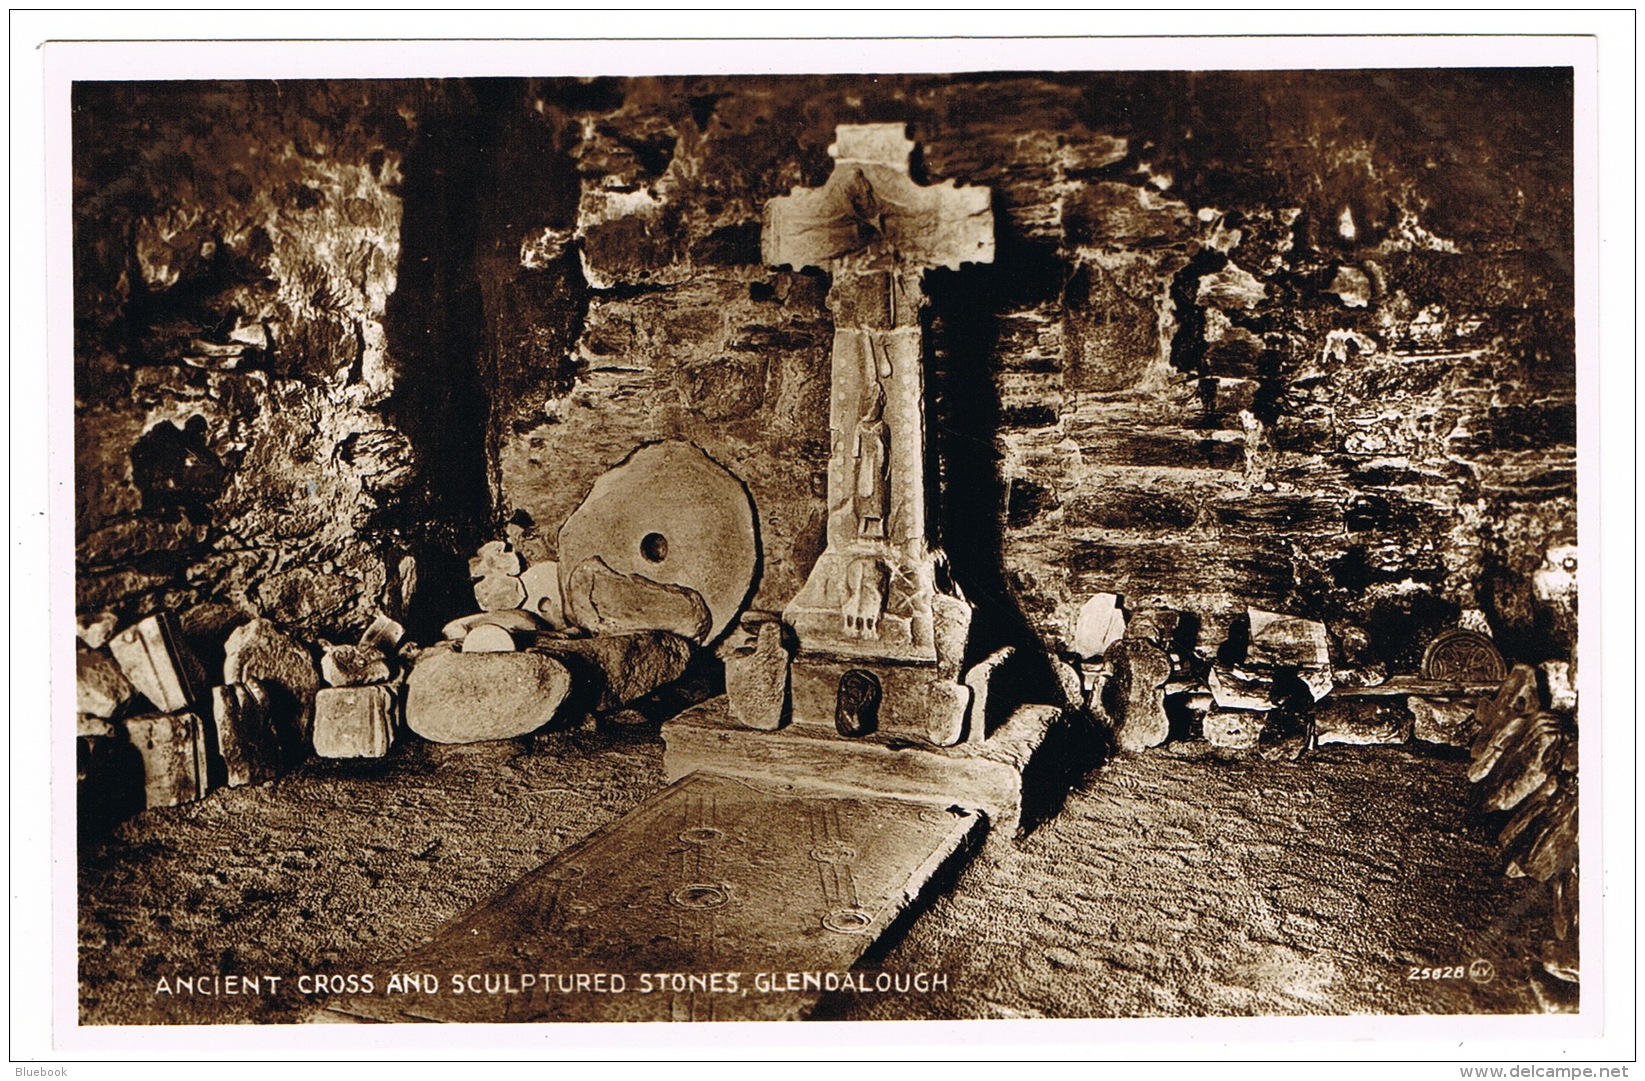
(654, 546)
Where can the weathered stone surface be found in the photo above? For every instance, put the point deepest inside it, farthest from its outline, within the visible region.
(1554, 847)
(152, 656)
(1101, 622)
(495, 559)
(668, 516)
(1503, 719)
(1318, 681)
(89, 726)
(382, 632)
(1134, 696)
(1287, 734)
(516, 620)
(1235, 688)
(96, 630)
(1437, 720)
(260, 650)
(1360, 677)
(746, 884)
(756, 677)
(952, 712)
(252, 738)
(605, 601)
(173, 749)
(101, 689)
(990, 776)
(1154, 624)
(982, 714)
(1234, 729)
(542, 592)
(499, 591)
(353, 666)
(489, 638)
(1526, 762)
(354, 722)
(1464, 656)
(1558, 688)
(1362, 721)
(1290, 640)
(456, 697)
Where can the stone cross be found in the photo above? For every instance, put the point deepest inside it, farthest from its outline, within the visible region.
(880, 590)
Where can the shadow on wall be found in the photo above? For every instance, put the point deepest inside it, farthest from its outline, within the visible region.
(964, 410)
(434, 323)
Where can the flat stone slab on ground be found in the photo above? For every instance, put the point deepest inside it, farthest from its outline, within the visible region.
(684, 910)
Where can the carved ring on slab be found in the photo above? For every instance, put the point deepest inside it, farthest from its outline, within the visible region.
(833, 853)
(848, 921)
(701, 835)
(1463, 656)
(701, 895)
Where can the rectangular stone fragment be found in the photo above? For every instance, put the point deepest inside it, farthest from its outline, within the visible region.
(151, 655)
(1287, 640)
(354, 722)
(173, 749)
(248, 735)
(1362, 721)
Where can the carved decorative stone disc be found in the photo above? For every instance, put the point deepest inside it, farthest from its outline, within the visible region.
(1464, 657)
(668, 520)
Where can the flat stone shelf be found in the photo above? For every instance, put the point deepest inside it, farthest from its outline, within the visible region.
(1199, 696)
(718, 899)
(990, 775)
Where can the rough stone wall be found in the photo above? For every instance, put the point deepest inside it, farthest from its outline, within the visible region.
(1302, 341)
(248, 435)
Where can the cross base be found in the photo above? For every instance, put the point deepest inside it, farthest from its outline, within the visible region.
(997, 776)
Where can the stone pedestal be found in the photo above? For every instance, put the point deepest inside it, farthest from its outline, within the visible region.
(991, 776)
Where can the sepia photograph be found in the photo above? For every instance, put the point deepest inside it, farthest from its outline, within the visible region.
(978, 545)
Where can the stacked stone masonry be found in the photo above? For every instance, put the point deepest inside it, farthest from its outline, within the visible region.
(1296, 341)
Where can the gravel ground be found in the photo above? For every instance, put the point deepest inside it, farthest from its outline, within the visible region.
(1172, 883)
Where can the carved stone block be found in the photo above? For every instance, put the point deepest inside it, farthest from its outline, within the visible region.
(1101, 622)
(152, 656)
(979, 679)
(542, 592)
(353, 666)
(756, 678)
(101, 689)
(173, 749)
(1135, 694)
(665, 541)
(250, 736)
(1234, 688)
(1287, 640)
(354, 722)
(1440, 721)
(1362, 721)
(260, 650)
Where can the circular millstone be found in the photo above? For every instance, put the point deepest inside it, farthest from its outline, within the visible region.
(669, 521)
